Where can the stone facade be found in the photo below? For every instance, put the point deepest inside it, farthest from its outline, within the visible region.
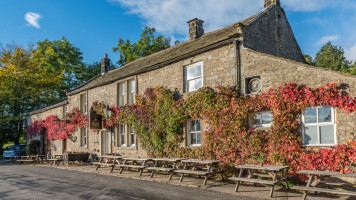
(265, 47)
(274, 72)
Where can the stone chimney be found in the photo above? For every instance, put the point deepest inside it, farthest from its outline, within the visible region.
(105, 64)
(195, 29)
(268, 3)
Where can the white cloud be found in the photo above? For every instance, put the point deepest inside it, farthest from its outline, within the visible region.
(350, 53)
(327, 38)
(32, 19)
(170, 16)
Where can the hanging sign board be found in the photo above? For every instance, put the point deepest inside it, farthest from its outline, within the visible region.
(95, 120)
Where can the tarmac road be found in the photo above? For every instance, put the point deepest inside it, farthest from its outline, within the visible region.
(35, 182)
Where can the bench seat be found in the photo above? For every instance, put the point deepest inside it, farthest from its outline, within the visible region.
(133, 166)
(104, 164)
(160, 169)
(266, 182)
(25, 160)
(200, 173)
(324, 190)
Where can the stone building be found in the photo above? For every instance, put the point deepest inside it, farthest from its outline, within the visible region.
(255, 54)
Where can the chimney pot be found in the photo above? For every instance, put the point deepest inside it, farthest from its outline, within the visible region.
(105, 64)
(196, 29)
(268, 3)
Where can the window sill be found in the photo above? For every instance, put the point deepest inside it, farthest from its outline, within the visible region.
(319, 145)
(126, 148)
(193, 146)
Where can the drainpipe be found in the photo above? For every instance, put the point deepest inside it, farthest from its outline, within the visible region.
(238, 67)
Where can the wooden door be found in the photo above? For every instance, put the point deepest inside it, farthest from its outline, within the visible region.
(65, 144)
(46, 143)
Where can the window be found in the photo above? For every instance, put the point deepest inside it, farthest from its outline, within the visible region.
(83, 137)
(122, 92)
(65, 110)
(132, 91)
(260, 119)
(113, 139)
(194, 132)
(132, 136)
(319, 126)
(122, 133)
(193, 77)
(83, 103)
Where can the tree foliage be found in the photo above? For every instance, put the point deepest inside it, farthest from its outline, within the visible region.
(148, 44)
(23, 81)
(332, 57)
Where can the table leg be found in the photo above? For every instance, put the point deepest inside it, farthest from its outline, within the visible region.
(284, 174)
(174, 167)
(153, 171)
(141, 170)
(238, 182)
(308, 185)
(122, 168)
(181, 177)
(272, 188)
(206, 176)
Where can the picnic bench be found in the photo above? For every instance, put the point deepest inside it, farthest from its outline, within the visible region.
(272, 172)
(25, 160)
(193, 167)
(107, 161)
(134, 163)
(320, 175)
(57, 158)
(164, 165)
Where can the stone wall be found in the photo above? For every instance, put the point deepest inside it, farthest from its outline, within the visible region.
(271, 33)
(275, 72)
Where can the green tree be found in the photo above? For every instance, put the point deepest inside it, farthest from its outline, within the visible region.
(22, 84)
(148, 44)
(353, 69)
(332, 57)
(85, 72)
(309, 59)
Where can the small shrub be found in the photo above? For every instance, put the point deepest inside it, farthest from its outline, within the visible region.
(33, 147)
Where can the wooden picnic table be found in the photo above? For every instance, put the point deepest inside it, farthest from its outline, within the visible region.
(25, 160)
(164, 165)
(272, 172)
(193, 166)
(134, 163)
(108, 161)
(56, 158)
(321, 175)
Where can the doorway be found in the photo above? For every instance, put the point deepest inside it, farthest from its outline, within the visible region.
(106, 142)
(65, 144)
(46, 143)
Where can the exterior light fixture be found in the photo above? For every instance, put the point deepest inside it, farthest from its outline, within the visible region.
(107, 112)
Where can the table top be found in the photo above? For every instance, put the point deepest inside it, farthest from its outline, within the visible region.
(110, 157)
(168, 159)
(201, 161)
(264, 167)
(326, 173)
(57, 154)
(138, 159)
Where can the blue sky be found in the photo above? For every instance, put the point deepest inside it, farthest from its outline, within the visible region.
(94, 26)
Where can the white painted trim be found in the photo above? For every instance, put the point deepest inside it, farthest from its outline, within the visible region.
(333, 122)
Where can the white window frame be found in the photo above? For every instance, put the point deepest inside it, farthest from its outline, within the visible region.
(132, 142)
(186, 86)
(83, 137)
(122, 93)
(259, 125)
(83, 106)
(113, 139)
(122, 141)
(131, 91)
(318, 125)
(189, 133)
(65, 110)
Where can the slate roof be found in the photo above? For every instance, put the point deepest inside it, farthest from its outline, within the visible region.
(54, 105)
(164, 57)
